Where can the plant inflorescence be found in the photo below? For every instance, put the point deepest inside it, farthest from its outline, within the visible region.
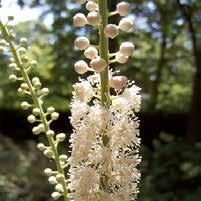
(105, 139)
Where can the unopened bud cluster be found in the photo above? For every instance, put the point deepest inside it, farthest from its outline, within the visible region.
(19, 65)
(91, 52)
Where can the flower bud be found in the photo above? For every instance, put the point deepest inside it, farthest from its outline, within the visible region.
(61, 137)
(56, 195)
(121, 58)
(111, 31)
(12, 66)
(50, 133)
(36, 111)
(25, 105)
(48, 171)
(45, 91)
(34, 63)
(80, 1)
(90, 52)
(79, 20)
(118, 82)
(127, 48)
(13, 78)
(59, 188)
(93, 18)
(41, 146)
(98, 64)
(50, 110)
(3, 42)
(24, 86)
(91, 6)
(22, 50)
(48, 153)
(60, 177)
(123, 8)
(23, 41)
(81, 67)
(55, 115)
(31, 119)
(36, 130)
(41, 127)
(52, 180)
(82, 43)
(125, 24)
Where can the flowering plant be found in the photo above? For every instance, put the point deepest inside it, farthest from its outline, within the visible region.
(105, 139)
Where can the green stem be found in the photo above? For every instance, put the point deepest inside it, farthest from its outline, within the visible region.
(38, 105)
(104, 51)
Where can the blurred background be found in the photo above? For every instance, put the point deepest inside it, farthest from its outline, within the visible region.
(166, 65)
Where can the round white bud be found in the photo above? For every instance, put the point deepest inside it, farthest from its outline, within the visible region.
(25, 105)
(61, 137)
(35, 80)
(23, 41)
(13, 78)
(34, 63)
(31, 119)
(123, 8)
(50, 110)
(126, 48)
(98, 64)
(41, 146)
(56, 195)
(55, 115)
(36, 111)
(48, 171)
(90, 52)
(111, 31)
(48, 153)
(22, 50)
(80, 1)
(82, 43)
(24, 86)
(93, 18)
(81, 67)
(60, 177)
(52, 180)
(125, 24)
(118, 82)
(12, 66)
(121, 58)
(79, 20)
(91, 6)
(41, 127)
(59, 188)
(50, 133)
(36, 130)
(45, 91)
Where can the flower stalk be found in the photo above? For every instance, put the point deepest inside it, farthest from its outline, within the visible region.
(104, 51)
(37, 103)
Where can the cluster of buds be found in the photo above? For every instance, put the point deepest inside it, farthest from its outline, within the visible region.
(105, 139)
(91, 52)
(19, 66)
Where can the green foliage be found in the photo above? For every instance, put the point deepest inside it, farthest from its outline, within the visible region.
(172, 172)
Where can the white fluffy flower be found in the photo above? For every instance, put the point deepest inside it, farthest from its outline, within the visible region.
(83, 91)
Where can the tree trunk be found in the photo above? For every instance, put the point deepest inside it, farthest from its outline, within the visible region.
(194, 131)
(159, 70)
